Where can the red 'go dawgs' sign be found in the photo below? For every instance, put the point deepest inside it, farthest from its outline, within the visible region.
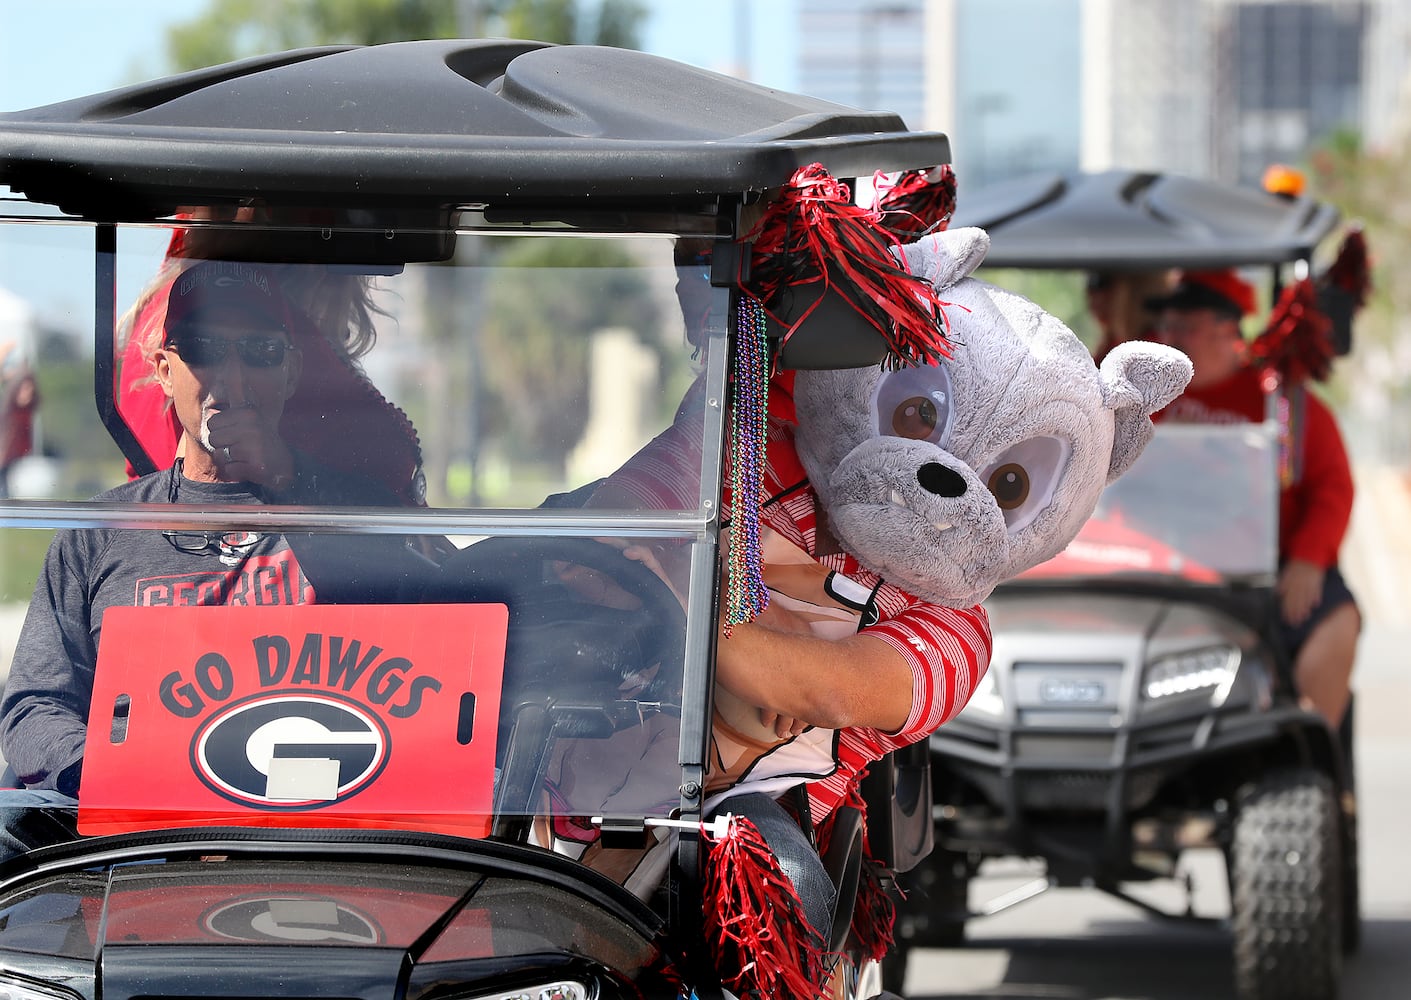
(353, 716)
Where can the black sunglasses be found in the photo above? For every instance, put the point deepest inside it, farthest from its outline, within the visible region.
(231, 546)
(256, 350)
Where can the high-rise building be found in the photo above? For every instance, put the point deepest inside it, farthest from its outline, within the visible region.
(864, 53)
(1217, 88)
(1293, 75)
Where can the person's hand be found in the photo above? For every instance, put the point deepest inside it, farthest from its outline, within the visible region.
(775, 618)
(1300, 588)
(784, 727)
(656, 557)
(245, 448)
(781, 619)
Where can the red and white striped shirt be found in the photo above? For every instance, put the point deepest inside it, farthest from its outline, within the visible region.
(948, 649)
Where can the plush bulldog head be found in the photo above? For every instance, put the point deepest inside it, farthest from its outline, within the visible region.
(946, 479)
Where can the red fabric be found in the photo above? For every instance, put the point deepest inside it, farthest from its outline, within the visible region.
(21, 399)
(1316, 508)
(1351, 270)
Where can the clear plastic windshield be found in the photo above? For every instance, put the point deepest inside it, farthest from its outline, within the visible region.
(404, 547)
(1200, 505)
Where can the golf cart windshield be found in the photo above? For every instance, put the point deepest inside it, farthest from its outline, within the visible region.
(1199, 506)
(476, 401)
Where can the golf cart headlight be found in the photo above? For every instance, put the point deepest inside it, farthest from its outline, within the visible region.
(548, 991)
(1207, 669)
(986, 700)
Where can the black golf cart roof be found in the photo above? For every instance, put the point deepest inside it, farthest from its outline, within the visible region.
(1124, 219)
(431, 124)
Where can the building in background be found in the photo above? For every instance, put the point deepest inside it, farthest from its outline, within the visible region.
(1150, 80)
(864, 53)
(1211, 88)
(1293, 74)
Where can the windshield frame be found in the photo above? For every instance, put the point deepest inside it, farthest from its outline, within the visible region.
(696, 528)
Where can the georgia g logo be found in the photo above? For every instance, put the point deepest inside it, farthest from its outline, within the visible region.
(235, 750)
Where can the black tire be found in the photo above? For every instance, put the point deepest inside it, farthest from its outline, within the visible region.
(1351, 887)
(1351, 877)
(935, 902)
(894, 968)
(1286, 873)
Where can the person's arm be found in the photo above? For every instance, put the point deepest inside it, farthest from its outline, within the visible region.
(908, 673)
(858, 680)
(47, 694)
(1321, 500)
(1319, 507)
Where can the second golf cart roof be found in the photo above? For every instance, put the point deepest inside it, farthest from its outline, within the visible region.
(1125, 219)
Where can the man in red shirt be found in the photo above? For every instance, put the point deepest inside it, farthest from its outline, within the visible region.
(1320, 620)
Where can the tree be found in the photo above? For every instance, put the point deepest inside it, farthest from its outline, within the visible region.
(233, 29)
(1374, 382)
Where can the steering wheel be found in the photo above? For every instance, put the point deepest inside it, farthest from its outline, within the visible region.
(559, 638)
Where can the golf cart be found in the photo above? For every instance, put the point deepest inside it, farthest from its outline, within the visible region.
(1139, 703)
(349, 798)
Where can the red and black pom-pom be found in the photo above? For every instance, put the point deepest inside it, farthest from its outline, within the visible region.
(1351, 271)
(813, 235)
(915, 202)
(1297, 341)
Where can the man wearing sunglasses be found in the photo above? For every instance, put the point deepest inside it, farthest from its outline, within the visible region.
(227, 365)
(228, 362)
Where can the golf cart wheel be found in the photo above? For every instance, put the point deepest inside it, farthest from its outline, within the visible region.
(1351, 887)
(1351, 875)
(931, 912)
(894, 968)
(1286, 888)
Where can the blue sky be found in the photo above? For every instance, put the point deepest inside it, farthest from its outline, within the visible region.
(55, 50)
(52, 50)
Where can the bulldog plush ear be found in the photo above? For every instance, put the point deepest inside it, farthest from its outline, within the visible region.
(944, 258)
(1139, 378)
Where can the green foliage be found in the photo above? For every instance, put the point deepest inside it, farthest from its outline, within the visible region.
(1059, 292)
(543, 407)
(1369, 187)
(233, 29)
(21, 556)
(71, 431)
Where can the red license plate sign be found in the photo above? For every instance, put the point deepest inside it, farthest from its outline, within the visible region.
(368, 716)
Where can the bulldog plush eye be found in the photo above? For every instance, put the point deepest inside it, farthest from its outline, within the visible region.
(1023, 478)
(914, 403)
(1010, 485)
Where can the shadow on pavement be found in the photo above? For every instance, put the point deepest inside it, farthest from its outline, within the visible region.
(1171, 963)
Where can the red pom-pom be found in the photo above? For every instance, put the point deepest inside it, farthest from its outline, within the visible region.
(754, 920)
(1350, 271)
(1297, 342)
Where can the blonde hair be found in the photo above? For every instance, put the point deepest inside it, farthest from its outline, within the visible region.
(1129, 316)
(338, 304)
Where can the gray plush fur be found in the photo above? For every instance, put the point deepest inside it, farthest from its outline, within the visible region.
(1023, 393)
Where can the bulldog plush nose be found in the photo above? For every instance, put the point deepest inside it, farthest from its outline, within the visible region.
(940, 480)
